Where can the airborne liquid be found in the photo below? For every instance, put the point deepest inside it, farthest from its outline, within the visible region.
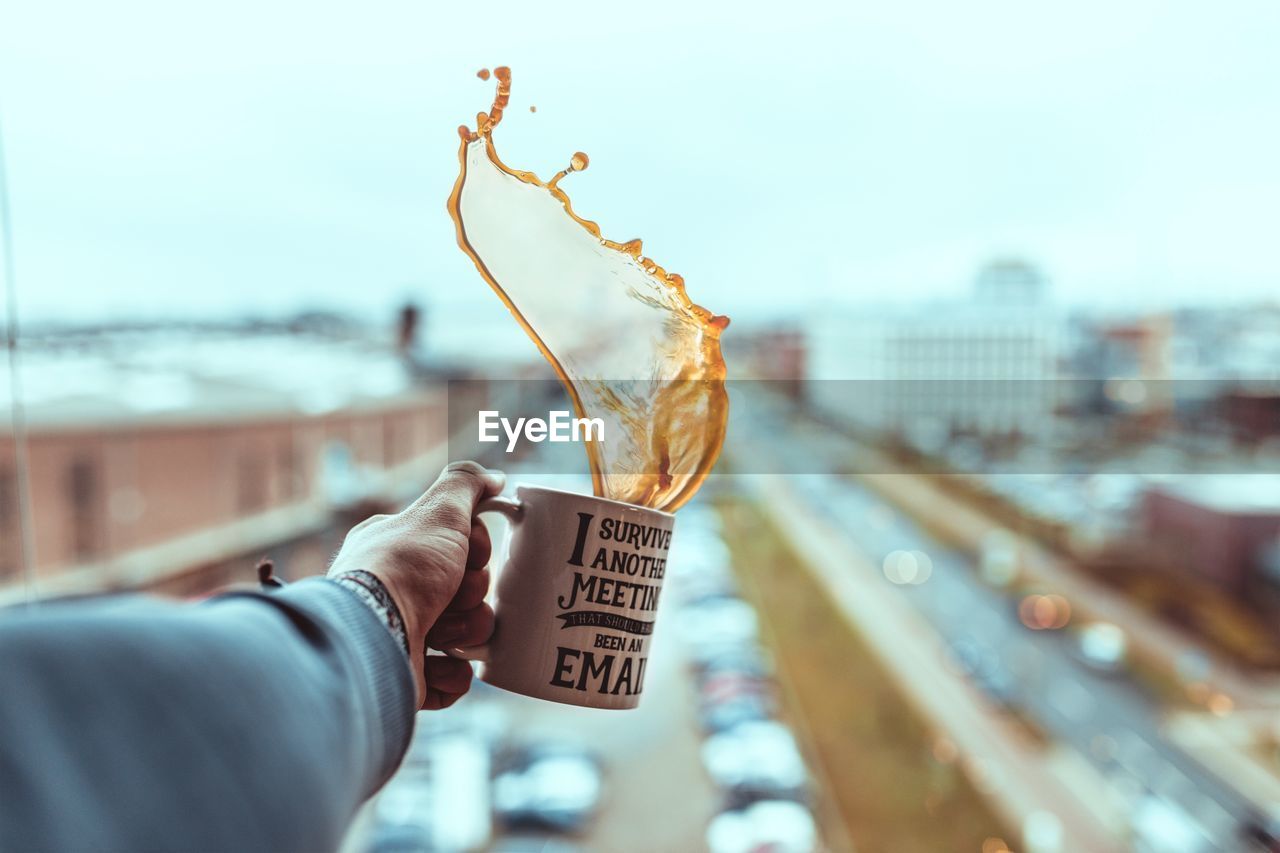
(619, 330)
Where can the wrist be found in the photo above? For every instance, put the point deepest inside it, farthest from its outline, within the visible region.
(413, 631)
(375, 595)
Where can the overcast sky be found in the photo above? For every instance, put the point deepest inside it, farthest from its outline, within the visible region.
(259, 156)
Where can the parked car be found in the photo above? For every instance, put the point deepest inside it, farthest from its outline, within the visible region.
(400, 838)
(756, 760)
(697, 589)
(548, 786)
(726, 714)
(1102, 646)
(695, 550)
(532, 843)
(745, 658)
(717, 624)
(778, 826)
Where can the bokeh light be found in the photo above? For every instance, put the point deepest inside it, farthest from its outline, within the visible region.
(1044, 612)
(908, 567)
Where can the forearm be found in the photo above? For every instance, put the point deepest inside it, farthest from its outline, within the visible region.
(252, 721)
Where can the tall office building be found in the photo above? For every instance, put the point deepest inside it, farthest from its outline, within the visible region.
(979, 366)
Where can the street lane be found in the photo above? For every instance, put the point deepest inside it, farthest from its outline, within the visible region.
(1108, 719)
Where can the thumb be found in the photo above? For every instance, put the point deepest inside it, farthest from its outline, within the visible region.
(450, 502)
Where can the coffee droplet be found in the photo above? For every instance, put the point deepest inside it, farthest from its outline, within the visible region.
(483, 73)
(577, 163)
(620, 331)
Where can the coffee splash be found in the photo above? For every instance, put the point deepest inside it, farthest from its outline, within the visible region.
(628, 344)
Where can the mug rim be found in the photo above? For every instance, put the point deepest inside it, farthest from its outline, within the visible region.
(617, 503)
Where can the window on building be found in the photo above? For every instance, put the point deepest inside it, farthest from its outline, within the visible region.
(251, 482)
(289, 469)
(10, 534)
(84, 496)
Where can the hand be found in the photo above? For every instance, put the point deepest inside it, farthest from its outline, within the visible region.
(433, 560)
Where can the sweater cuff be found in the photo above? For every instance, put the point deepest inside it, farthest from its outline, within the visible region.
(380, 665)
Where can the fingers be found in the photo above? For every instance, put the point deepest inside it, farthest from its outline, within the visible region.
(472, 590)
(479, 546)
(451, 500)
(461, 629)
(475, 580)
(447, 679)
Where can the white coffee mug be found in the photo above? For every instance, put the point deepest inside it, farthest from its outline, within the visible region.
(576, 597)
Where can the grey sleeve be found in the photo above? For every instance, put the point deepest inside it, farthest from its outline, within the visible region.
(248, 722)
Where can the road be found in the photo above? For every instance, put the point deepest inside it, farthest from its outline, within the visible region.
(1107, 719)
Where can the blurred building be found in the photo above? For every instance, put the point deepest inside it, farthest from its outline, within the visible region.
(773, 355)
(1251, 413)
(1239, 342)
(981, 366)
(1220, 527)
(153, 454)
(1123, 367)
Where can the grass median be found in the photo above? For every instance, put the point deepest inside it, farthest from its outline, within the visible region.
(886, 781)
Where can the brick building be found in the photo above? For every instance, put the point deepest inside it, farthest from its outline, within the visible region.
(1222, 528)
(148, 458)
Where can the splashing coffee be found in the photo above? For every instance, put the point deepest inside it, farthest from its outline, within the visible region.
(626, 341)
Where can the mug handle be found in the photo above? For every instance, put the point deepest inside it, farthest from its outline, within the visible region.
(512, 509)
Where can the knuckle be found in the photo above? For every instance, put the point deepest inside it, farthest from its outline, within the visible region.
(369, 522)
(466, 468)
(448, 514)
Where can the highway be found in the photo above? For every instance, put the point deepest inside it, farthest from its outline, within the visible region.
(1107, 718)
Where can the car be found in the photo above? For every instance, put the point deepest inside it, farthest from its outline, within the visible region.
(778, 826)
(756, 760)
(721, 685)
(718, 623)
(743, 658)
(1102, 646)
(1158, 826)
(694, 549)
(547, 786)
(696, 590)
(1263, 831)
(726, 714)
(978, 662)
(400, 838)
(728, 689)
(700, 517)
(998, 560)
(999, 685)
(525, 843)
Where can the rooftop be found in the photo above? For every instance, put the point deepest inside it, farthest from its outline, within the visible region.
(182, 375)
(1239, 494)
